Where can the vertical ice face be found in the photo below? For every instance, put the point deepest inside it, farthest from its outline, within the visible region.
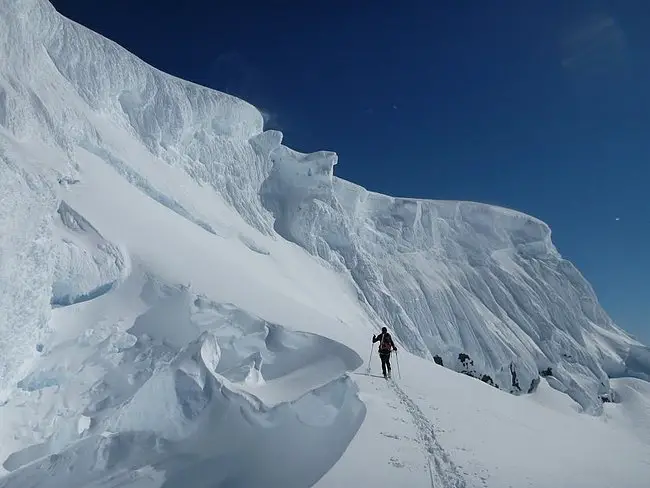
(27, 206)
(454, 279)
(73, 89)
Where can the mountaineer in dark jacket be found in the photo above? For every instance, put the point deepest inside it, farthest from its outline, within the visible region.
(386, 346)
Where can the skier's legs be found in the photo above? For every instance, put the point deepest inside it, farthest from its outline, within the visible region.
(383, 363)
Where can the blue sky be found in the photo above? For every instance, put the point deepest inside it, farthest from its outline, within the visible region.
(543, 107)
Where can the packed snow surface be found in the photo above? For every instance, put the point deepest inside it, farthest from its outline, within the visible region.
(186, 301)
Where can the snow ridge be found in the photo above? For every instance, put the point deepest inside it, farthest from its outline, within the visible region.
(183, 124)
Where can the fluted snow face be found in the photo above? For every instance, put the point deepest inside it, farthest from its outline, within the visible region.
(455, 278)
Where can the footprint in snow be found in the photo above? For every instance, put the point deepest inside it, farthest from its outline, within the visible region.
(396, 462)
(391, 436)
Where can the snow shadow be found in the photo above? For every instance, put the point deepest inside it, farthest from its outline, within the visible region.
(86, 265)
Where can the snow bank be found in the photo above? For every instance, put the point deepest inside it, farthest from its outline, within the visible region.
(637, 362)
(631, 407)
(163, 402)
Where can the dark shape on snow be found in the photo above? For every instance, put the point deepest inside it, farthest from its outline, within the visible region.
(513, 374)
(534, 384)
(386, 346)
(610, 397)
(547, 372)
(487, 379)
(467, 365)
(462, 357)
(438, 360)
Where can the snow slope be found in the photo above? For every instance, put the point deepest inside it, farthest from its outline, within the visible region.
(186, 301)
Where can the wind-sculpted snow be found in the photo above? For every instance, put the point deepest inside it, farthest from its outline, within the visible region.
(86, 265)
(47, 58)
(194, 408)
(163, 110)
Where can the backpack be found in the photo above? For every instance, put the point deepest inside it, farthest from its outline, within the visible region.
(386, 343)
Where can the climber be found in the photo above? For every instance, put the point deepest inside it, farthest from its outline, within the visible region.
(386, 345)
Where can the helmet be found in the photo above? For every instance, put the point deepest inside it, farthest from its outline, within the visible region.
(384, 329)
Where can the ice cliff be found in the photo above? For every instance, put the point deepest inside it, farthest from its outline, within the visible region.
(456, 279)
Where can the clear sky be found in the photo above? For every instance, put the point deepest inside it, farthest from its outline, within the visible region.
(540, 106)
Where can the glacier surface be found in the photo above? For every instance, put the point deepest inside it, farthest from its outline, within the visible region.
(181, 293)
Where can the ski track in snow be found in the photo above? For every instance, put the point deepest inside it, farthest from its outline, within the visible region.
(443, 472)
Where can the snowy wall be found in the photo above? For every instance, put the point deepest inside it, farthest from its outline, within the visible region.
(454, 278)
(26, 208)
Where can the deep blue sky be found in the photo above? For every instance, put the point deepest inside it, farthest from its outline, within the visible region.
(540, 106)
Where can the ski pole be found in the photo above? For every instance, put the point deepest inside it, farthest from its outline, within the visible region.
(369, 359)
(399, 375)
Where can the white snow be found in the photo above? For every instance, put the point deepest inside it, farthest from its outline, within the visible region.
(186, 301)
